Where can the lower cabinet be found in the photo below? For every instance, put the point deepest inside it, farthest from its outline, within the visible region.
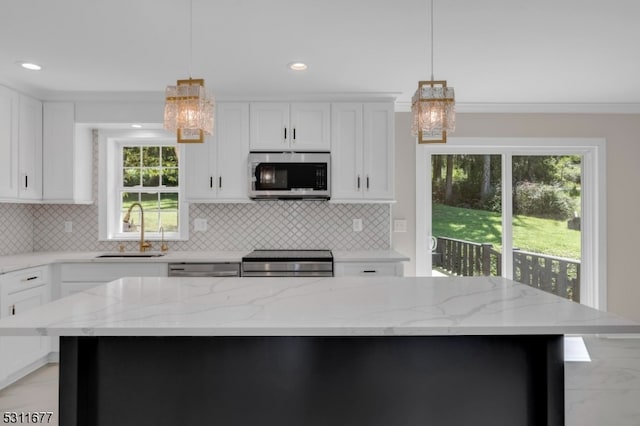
(77, 277)
(368, 269)
(22, 291)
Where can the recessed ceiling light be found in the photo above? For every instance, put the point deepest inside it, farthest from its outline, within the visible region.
(30, 66)
(137, 126)
(297, 66)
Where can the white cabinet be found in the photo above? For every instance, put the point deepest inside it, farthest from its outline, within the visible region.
(368, 269)
(77, 277)
(362, 153)
(30, 149)
(277, 126)
(217, 169)
(67, 156)
(8, 143)
(22, 291)
(20, 146)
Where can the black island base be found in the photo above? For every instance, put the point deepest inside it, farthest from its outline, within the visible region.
(312, 381)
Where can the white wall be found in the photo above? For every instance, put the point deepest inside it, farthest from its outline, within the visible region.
(622, 133)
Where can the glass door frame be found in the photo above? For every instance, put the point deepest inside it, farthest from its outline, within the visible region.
(593, 283)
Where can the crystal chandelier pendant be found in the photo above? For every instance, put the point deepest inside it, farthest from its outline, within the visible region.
(433, 106)
(189, 111)
(434, 111)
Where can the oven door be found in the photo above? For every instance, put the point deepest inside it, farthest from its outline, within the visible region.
(287, 269)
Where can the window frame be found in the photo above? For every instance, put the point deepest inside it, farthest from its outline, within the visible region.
(593, 286)
(110, 178)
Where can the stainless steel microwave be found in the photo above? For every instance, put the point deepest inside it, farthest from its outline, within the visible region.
(290, 175)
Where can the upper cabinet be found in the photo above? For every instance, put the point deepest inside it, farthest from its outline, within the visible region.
(20, 147)
(216, 171)
(30, 149)
(278, 126)
(9, 111)
(67, 153)
(362, 153)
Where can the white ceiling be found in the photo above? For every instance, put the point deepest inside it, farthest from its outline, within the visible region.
(581, 52)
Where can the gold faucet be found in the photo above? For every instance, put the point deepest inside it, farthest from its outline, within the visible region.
(144, 245)
(164, 246)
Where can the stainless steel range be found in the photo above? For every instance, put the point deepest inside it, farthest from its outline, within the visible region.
(288, 263)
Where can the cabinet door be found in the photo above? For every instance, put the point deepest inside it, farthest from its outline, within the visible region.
(346, 153)
(57, 150)
(310, 127)
(67, 156)
(269, 126)
(200, 170)
(378, 151)
(67, 289)
(232, 141)
(30, 149)
(8, 143)
(372, 269)
(18, 352)
(108, 271)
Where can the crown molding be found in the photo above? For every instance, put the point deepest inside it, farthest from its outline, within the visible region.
(539, 108)
(222, 97)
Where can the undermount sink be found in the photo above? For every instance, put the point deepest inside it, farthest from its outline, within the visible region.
(132, 254)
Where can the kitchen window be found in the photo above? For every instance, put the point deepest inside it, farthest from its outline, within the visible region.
(142, 169)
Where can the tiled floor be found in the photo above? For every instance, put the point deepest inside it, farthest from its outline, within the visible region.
(603, 392)
(36, 392)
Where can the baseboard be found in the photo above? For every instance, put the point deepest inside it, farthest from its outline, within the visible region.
(17, 375)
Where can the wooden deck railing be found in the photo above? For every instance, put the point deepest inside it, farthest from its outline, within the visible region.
(466, 258)
(553, 274)
(556, 275)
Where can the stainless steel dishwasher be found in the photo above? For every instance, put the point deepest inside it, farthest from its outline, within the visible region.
(193, 269)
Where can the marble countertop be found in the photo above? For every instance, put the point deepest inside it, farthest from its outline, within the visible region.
(28, 260)
(345, 306)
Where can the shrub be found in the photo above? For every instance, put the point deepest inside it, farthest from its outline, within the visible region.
(542, 200)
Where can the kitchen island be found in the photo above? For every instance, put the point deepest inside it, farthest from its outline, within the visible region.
(312, 351)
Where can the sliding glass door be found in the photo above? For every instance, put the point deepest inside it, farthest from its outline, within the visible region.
(466, 218)
(522, 211)
(547, 204)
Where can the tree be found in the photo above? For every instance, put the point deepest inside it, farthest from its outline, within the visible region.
(486, 178)
(448, 192)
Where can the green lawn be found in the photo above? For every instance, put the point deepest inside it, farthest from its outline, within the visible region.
(531, 234)
(167, 207)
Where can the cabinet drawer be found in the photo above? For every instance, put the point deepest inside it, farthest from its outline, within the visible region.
(23, 301)
(369, 269)
(91, 272)
(25, 279)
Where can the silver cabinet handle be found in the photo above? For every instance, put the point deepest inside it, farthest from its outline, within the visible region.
(219, 181)
(367, 183)
(358, 183)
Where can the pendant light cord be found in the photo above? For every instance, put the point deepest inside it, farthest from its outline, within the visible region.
(190, 35)
(431, 1)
